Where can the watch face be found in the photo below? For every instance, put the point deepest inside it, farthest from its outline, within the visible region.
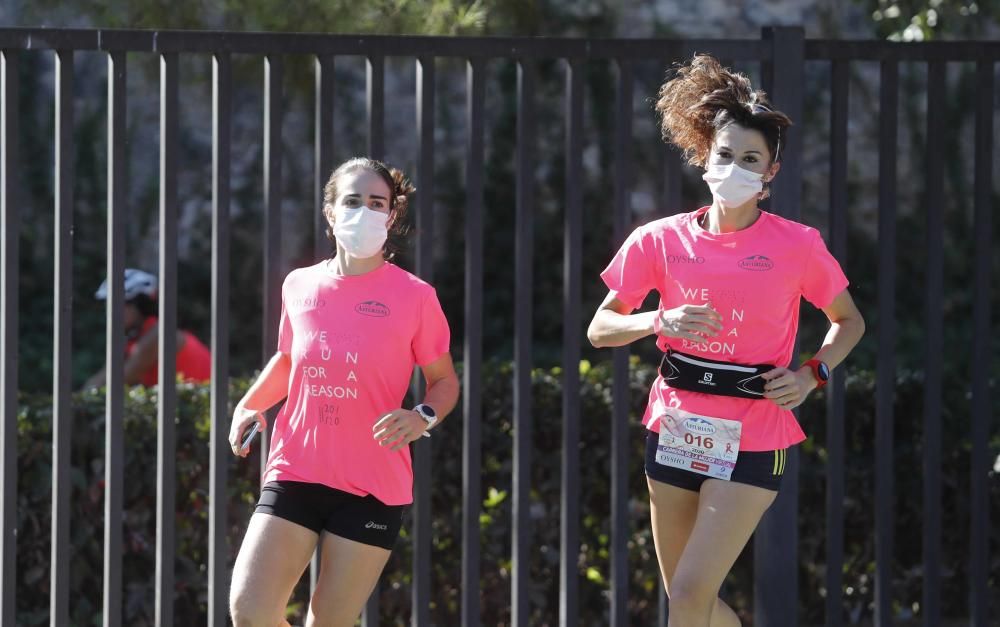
(824, 371)
(428, 411)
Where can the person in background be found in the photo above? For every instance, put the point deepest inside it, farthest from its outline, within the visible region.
(194, 363)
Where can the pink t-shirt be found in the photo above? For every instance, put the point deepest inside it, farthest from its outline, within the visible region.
(353, 342)
(754, 278)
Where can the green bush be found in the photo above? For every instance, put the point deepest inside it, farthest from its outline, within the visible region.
(34, 495)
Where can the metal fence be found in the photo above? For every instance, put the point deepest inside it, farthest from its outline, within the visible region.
(782, 53)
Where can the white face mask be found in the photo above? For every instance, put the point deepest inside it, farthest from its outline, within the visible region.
(361, 231)
(732, 185)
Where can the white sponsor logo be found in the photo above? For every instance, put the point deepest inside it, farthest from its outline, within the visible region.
(697, 425)
(374, 525)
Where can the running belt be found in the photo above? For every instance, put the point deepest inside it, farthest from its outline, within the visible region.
(698, 374)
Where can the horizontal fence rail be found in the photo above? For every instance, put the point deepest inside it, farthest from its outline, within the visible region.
(783, 57)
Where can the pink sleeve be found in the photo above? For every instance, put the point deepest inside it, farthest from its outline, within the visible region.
(630, 275)
(822, 279)
(284, 329)
(433, 337)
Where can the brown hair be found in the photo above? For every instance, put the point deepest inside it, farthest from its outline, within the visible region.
(400, 189)
(703, 97)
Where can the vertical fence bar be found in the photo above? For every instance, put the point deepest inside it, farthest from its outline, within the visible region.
(114, 454)
(886, 361)
(323, 67)
(672, 166)
(274, 112)
(670, 199)
(671, 203)
(375, 111)
(569, 536)
(375, 105)
(62, 363)
(218, 547)
(620, 399)
(323, 167)
(835, 389)
(979, 525)
(10, 234)
(473, 358)
(776, 587)
(523, 249)
(422, 448)
(934, 343)
(166, 445)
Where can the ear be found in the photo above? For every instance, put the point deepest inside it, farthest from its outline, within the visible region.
(773, 172)
(328, 213)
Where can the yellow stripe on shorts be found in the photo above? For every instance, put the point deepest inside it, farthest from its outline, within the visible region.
(775, 471)
(784, 457)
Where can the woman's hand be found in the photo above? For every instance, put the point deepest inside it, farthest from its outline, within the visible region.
(398, 428)
(242, 419)
(694, 323)
(788, 389)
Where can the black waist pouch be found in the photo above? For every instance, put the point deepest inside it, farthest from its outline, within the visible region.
(697, 374)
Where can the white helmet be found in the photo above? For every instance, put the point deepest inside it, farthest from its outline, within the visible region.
(136, 282)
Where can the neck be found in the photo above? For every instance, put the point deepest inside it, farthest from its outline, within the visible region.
(722, 219)
(348, 265)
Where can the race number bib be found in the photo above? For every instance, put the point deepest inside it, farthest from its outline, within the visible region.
(700, 444)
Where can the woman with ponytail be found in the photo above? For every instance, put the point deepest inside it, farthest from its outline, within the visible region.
(338, 471)
(730, 278)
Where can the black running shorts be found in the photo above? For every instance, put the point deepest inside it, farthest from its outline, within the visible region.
(763, 469)
(318, 507)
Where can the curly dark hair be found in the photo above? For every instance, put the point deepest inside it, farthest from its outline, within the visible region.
(400, 189)
(701, 98)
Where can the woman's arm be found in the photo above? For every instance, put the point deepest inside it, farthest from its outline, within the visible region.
(400, 427)
(139, 361)
(269, 388)
(846, 329)
(789, 389)
(614, 324)
(142, 358)
(442, 387)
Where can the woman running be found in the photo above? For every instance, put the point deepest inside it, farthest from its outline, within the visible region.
(730, 277)
(338, 473)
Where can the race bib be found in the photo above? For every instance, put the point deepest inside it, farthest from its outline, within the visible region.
(700, 444)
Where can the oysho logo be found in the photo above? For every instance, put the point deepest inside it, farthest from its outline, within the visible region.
(307, 303)
(757, 263)
(684, 259)
(374, 525)
(372, 308)
(699, 425)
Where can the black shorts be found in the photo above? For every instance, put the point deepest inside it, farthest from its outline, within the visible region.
(315, 506)
(763, 469)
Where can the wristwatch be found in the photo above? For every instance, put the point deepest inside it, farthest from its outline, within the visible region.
(820, 370)
(428, 414)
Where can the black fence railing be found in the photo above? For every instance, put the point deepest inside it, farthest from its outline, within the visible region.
(782, 54)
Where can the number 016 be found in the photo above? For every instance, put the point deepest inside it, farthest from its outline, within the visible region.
(698, 440)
